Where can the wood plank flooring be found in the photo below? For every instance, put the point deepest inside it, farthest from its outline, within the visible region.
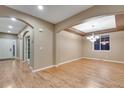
(82, 73)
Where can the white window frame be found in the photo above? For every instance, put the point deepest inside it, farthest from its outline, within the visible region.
(100, 44)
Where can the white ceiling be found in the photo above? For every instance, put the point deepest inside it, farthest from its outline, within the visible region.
(97, 24)
(17, 25)
(51, 13)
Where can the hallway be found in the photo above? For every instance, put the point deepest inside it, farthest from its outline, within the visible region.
(84, 72)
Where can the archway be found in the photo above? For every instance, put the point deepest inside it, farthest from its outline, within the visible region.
(18, 47)
(25, 36)
(25, 39)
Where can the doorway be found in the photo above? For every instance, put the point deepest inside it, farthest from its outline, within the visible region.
(27, 47)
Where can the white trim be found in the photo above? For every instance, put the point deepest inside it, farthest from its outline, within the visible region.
(114, 61)
(91, 58)
(20, 59)
(31, 68)
(69, 61)
(36, 70)
(104, 60)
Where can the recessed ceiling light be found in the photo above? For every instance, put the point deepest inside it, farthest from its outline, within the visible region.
(93, 25)
(13, 19)
(40, 7)
(10, 27)
(9, 31)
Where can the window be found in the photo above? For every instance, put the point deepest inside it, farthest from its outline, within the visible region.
(103, 43)
(13, 50)
(97, 44)
(29, 48)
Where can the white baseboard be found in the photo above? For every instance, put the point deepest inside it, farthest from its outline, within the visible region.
(36, 70)
(104, 60)
(31, 68)
(68, 61)
(17, 58)
(56, 65)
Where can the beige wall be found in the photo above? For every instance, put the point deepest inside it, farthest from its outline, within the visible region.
(44, 57)
(69, 46)
(116, 52)
(43, 47)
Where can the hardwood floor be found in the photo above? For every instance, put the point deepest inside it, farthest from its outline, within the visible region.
(82, 73)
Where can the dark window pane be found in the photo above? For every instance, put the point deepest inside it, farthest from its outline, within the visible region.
(28, 48)
(105, 38)
(97, 45)
(13, 50)
(105, 45)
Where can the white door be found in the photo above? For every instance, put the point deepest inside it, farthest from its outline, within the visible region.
(7, 48)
